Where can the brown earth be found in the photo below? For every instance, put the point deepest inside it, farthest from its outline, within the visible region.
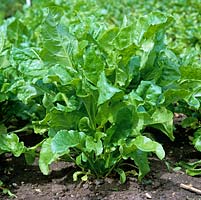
(27, 182)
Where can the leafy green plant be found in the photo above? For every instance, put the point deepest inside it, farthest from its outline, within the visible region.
(91, 81)
(106, 95)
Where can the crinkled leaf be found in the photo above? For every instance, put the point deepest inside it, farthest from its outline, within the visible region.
(10, 143)
(150, 92)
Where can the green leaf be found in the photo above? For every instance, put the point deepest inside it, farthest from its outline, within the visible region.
(150, 92)
(107, 37)
(197, 140)
(59, 120)
(85, 177)
(93, 65)
(92, 145)
(84, 124)
(1, 41)
(162, 119)
(141, 160)
(190, 72)
(76, 174)
(125, 119)
(30, 156)
(192, 169)
(64, 140)
(193, 172)
(25, 91)
(122, 175)
(190, 122)
(147, 145)
(47, 156)
(169, 66)
(60, 74)
(174, 95)
(10, 143)
(106, 90)
(58, 42)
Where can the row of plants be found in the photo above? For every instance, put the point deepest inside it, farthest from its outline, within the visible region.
(90, 78)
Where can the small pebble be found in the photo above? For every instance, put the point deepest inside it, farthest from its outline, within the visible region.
(14, 185)
(148, 195)
(37, 190)
(108, 180)
(99, 182)
(86, 186)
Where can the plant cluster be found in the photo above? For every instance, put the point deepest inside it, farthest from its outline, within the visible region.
(91, 81)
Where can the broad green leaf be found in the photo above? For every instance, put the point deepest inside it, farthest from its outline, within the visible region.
(84, 124)
(47, 156)
(174, 95)
(28, 62)
(169, 66)
(93, 65)
(59, 120)
(17, 33)
(147, 145)
(162, 119)
(193, 102)
(107, 37)
(60, 74)
(124, 122)
(58, 42)
(106, 90)
(25, 91)
(64, 140)
(193, 172)
(95, 146)
(190, 122)
(124, 37)
(140, 159)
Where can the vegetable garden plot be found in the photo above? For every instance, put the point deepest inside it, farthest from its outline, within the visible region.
(92, 87)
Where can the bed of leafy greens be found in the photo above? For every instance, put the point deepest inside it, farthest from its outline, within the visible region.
(91, 77)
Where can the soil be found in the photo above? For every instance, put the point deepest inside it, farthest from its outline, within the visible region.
(27, 182)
